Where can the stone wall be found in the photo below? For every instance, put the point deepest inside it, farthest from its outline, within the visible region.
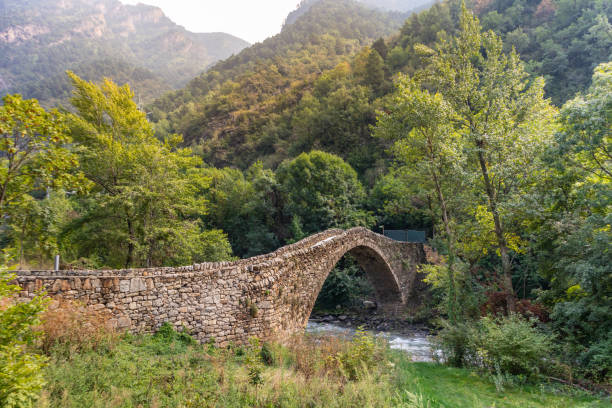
(267, 296)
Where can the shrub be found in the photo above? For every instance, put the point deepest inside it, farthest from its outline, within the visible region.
(254, 363)
(495, 304)
(363, 352)
(167, 334)
(266, 354)
(505, 345)
(453, 342)
(511, 345)
(21, 378)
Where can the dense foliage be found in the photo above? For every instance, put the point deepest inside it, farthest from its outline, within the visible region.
(573, 229)
(471, 127)
(561, 40)
(260, 103)
(314, 86)
(21, 377)
(98, 188)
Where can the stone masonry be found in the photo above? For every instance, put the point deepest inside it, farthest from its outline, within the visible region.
(267, 296)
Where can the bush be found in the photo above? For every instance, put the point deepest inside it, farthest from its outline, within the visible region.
(585, 327)
(511, 345)
(167, 334)
(254, 363)
(453, 343)
(505, 345)
(267, 354)
(21, 378)
(364, 352)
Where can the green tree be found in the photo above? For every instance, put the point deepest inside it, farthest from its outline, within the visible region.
(35, 229)
(504, 121)
(35, 155)
(374, 71)
(586, 138)
(36, 159)
(247, 206)
(398, 201)
(427, 145)
(145, 210)
(575, 238)
(322, 191)
(21, 376)
(381, 47)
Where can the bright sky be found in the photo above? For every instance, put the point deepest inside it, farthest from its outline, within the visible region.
(251, 20)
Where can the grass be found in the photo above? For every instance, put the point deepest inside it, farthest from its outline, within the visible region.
(441, 386)
(170, 370)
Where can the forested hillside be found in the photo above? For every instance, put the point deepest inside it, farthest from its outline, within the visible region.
(317, 85)
(41, 39)
(238, 107)
(399, 5)
(562, 40)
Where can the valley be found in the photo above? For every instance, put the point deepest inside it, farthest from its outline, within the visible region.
(189, 220)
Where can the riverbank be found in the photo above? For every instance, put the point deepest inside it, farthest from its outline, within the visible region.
(370, 320)
(170, 370)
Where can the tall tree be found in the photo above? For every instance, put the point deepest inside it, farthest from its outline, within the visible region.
(246, 206)
(322, 191)
(574, 228)
(504, 120)
(146, 203)
(426, 143)
(34, 152)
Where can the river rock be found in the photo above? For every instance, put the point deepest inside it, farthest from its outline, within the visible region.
(369, 305)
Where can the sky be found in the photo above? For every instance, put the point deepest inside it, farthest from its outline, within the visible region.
(251, 20)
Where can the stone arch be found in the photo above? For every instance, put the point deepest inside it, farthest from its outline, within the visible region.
(379, 272)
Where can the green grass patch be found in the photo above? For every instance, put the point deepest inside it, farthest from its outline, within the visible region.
(169, 370)
(437, 385)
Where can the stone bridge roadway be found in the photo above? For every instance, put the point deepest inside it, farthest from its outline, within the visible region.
(267, 296)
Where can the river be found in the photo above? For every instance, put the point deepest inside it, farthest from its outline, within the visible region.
(416, 344)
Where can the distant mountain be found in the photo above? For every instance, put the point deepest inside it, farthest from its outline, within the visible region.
(403, 6)
(40, 39)
(222, 108)
(399, 5)
(319, 83)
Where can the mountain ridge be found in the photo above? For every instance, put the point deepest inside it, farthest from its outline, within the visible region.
(52, 36)
(327, 34)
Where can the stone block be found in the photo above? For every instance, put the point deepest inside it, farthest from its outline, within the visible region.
(124, 286)
(137, 284)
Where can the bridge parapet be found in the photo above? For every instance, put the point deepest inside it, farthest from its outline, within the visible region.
(265, 296)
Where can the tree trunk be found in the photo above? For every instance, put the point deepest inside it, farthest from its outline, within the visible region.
(130, 255)
(499, 233)
(3, 194)
(452, 291)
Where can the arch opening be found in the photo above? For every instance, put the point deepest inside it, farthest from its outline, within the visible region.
(359, 282)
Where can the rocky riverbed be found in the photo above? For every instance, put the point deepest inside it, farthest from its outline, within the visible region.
(371, 321)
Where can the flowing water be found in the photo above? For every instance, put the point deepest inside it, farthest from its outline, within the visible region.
(416, 344)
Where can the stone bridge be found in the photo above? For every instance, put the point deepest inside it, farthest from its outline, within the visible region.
(267, 296)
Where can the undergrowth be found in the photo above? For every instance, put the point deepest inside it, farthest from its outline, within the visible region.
(170, 369)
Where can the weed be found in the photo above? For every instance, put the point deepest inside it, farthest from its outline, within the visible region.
(74, 327)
